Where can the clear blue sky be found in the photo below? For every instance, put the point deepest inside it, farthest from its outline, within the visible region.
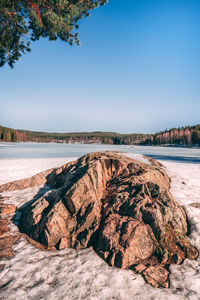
(137, 70)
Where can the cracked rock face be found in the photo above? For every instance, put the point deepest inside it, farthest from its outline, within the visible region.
(124, 241)
(120, 206)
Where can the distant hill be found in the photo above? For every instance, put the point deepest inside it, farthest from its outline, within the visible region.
(12, 135)
(186, 136)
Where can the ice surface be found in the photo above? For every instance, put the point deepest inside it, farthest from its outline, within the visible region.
(70, 274)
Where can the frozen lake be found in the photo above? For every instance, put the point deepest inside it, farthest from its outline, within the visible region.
(55, 150)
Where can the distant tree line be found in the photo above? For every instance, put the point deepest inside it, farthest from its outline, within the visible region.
(185, 136)
(110, 138)
(8, 134)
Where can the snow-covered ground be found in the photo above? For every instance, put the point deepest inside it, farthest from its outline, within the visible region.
(14, 169)
(70, 274)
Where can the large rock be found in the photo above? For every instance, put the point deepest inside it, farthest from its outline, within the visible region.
(120, 206)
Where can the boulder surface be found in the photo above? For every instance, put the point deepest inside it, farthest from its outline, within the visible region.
(120, 206)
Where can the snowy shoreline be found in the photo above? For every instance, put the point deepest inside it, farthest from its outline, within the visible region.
(71, 274)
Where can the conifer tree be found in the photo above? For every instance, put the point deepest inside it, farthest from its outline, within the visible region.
(23, 21)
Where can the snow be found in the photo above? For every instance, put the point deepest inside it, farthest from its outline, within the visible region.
(70, 274)
(137, 156)
(11, 169)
